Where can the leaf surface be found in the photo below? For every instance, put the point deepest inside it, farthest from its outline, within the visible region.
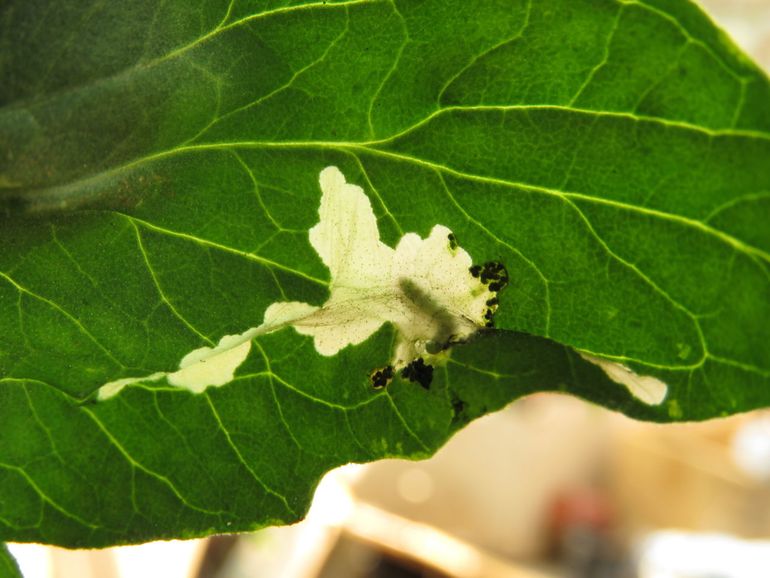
(8, 566)
(159, 174)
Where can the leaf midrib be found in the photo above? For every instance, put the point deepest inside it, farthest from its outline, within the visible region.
(368, 148)
(372, 147)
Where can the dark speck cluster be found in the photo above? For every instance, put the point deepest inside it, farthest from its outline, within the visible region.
(459, 409)
(381, 377)
(494, 275)
(419, 371)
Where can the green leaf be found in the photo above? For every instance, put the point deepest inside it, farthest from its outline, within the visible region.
(8, 566)
(159, 174)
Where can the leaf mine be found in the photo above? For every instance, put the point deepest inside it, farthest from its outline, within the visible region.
(645, 388)
(428, 289)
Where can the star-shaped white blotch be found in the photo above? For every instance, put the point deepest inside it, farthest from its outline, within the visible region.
(424, 287)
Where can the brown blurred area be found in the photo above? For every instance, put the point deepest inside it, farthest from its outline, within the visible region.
(550, 487)
(747, 22)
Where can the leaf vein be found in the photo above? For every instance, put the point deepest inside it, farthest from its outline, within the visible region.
(242, 460)
(604, 59)
(161, 293)
(44, 497)
(135, 464)
(477, 57)
(74, 320)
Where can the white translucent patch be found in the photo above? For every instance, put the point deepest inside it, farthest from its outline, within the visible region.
(211, 366)
(215, 366)
(423, 287)
(114, 387)
(645, 388)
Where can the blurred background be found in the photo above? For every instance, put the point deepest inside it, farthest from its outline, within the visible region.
(550, 487)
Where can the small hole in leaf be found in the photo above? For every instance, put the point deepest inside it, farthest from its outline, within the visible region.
(381, 377)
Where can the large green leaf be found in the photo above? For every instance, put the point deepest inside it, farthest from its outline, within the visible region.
(159, 170)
